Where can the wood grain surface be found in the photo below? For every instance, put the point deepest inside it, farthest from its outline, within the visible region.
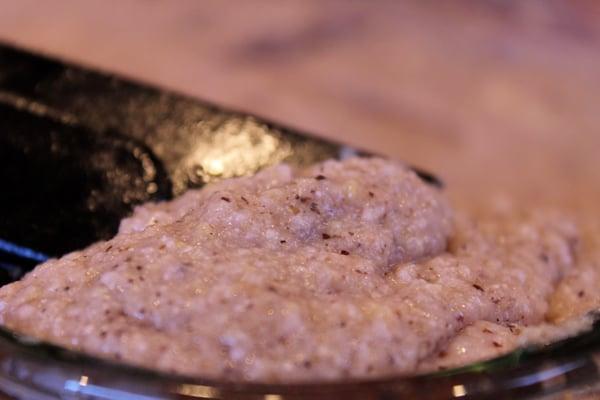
(495, 96)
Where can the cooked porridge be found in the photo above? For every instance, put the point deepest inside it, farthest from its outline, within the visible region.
(352, 268)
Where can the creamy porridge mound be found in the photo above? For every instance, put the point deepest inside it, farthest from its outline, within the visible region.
(351, 268)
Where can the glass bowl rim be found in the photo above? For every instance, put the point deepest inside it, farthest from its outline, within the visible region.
(505, 372)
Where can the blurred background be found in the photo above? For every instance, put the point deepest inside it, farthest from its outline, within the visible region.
(494, 96)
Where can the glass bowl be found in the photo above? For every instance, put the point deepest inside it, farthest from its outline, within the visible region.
(34, 370)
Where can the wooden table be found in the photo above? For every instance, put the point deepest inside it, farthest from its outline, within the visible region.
(493, 95)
